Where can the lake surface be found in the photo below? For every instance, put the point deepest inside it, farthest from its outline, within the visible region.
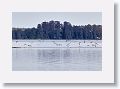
(56, 59)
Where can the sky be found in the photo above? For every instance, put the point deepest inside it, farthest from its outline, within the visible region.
(31, 19)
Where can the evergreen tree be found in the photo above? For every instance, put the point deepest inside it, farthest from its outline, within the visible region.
(56, 30)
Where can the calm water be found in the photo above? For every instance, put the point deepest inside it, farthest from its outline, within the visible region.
(57, 59)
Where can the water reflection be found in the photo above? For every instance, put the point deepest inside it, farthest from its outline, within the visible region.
(57, 59)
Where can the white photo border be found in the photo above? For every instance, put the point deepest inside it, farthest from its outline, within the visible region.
(104, 76)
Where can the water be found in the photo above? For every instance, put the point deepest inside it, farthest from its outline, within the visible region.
(57, 59)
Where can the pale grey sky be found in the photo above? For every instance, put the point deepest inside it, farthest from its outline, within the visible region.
(31, 19)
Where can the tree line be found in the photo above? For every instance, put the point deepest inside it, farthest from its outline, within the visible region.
(57, 30)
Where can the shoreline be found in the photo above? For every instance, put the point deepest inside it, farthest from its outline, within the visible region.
(56, 43)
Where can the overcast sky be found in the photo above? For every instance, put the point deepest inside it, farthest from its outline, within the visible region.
(31, 19)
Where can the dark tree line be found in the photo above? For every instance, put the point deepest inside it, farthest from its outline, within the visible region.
(56, 30)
